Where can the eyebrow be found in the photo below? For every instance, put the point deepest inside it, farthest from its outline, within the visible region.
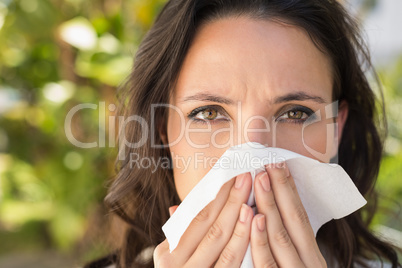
(298, 96)
(295, 96)
(209, 97)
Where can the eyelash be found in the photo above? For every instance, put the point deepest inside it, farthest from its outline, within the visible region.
(198, 110)
(307, 111)
(221, 111)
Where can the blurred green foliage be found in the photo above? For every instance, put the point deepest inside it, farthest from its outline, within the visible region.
(390, 178)
(55, 54)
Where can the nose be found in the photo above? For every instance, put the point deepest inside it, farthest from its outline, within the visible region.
(257, 129)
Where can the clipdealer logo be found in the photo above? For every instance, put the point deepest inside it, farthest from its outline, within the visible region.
(148, 129)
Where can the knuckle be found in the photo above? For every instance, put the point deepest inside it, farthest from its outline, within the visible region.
(270, 264)
(270, 203)
(215, 232)
(228, 256)
(239, 233)
(262, 242)
(282, 179)
(202, 216)
(232, 199)
(282, 238)
(300, 216)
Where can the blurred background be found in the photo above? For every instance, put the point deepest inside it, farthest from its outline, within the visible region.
(56, 54)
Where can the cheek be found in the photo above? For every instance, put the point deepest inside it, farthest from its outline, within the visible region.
(175, 126)
(191, 164)
(316, 141)
(192, 152)
(185, 179)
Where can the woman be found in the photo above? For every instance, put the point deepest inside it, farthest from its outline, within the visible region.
(279, 64)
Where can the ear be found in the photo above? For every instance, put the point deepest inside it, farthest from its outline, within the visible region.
(162, 131)
(343, 111)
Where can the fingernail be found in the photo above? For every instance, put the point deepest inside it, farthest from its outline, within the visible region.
(261, 222)
(271, 165)
(243, 213)
(264, 181)
(239, 181)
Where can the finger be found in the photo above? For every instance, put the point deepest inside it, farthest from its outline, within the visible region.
(294, 216)
(172, 209)
(296, 193)
(200, 225)
(233, 253)
(260, 250)
(220, 232)
(280, 243)
(291, 181)
(161, 254)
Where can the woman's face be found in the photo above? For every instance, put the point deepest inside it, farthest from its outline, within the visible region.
(250, 80)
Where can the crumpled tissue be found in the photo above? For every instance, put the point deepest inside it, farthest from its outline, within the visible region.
(326, 190)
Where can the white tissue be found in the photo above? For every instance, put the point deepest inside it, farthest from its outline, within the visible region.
(326, 190)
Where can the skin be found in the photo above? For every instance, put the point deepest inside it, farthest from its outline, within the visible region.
(272, 69)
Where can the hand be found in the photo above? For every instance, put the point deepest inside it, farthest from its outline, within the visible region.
(281, 234)
(220, 233)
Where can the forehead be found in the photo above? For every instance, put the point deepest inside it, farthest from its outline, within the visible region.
(242, 53)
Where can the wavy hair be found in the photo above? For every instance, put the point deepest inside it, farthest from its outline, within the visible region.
(142, 198)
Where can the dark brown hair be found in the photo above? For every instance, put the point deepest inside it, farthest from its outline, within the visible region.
(142, 198)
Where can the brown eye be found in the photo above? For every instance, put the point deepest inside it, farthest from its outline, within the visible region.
(209, 114)
(295, 114)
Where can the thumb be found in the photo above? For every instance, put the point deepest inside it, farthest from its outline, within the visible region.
(172, 209)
